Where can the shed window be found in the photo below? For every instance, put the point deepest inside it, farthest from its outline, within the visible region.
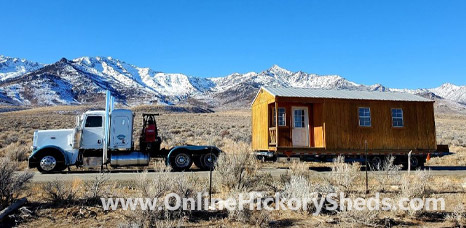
(364, 117)
(94, 121)
(281, 117)
(397, 117)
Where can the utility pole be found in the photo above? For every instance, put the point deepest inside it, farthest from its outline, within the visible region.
(367, 166)
(210, 178)
(409, 162)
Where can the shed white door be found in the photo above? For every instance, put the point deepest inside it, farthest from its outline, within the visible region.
(300, 126)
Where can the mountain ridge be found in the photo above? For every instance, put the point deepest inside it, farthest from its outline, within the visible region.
(77, 81)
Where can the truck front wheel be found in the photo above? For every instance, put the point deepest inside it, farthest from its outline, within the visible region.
(181, 161)
(49, 163)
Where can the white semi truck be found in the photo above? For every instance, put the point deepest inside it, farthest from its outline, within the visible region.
(103, 138)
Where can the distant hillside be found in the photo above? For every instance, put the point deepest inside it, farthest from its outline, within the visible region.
(84, 80)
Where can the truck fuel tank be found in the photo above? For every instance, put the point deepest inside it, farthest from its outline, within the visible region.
(133, 158)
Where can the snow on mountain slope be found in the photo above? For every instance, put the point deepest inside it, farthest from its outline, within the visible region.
(80, 79)
(446, 91)
(239, 89)
(276, 76)
(14, 67)
(65, 83)
(133, 76)
(111, 71)
(451, 92)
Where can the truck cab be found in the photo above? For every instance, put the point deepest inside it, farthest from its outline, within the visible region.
(106, 137)
(54, 150)
(91, 123)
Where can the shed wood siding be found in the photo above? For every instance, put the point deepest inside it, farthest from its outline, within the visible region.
(260, 125)
(343, 130)
(334, 123)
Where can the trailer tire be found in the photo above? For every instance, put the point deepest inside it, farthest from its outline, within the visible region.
(181, 161)
(208, 161)
(376, 163)
(50, 162)
(417, 162)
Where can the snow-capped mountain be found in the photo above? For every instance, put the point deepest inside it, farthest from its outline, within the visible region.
(133, 76)
(451, 92)
(81, 80)
(243, 87)
(13, 67)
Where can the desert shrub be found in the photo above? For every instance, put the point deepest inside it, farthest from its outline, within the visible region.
(417, 185)
(12, 184)
(158, 188)
(10, 138)
(299, 188)
(356, 218)
(248, 215)
(344, 175)
(244, 215)
(161, 166)
(299, 169)
(261, 218)
(60, 192)
(94, 189)
(237, 170)
(458, 215)
(389, 173)
(17, 152)
(166, 223)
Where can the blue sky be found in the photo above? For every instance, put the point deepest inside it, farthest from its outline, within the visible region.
(408, 44)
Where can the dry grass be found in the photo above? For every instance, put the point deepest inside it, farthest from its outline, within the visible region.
(451, 130)
(179, 127)
(237, 172)
(176, 128)
(74, 208)
(11, 184)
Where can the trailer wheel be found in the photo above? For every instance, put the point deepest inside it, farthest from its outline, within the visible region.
(417, 162)
(208, 161)
(49, 163)
(261, 158)
(181, 161)
(376, 163)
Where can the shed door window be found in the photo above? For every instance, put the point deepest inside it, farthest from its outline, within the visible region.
(364, 117)
(94, 121)
(397, 117)
(299, 118)
(281, 117)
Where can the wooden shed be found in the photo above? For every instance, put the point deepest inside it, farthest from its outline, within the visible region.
(302, 121)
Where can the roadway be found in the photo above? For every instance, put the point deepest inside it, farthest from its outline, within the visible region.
(129, 175)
